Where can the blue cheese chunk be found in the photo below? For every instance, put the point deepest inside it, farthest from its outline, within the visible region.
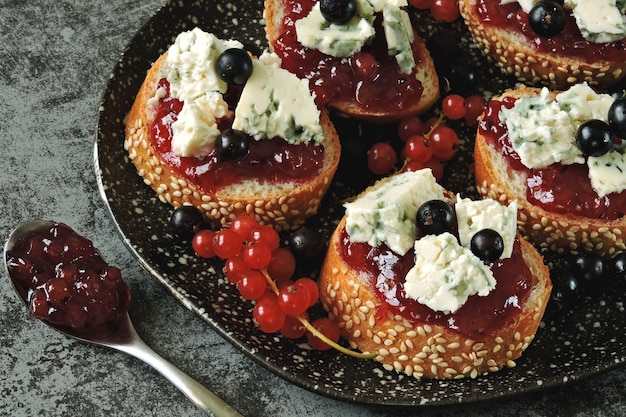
(276, 103)
(599, 21)
(542, 129)
(526, 5)
(399, 35)
(608, 172)
(314, 31)
(446, 274)
(386, 214)
(473, 216)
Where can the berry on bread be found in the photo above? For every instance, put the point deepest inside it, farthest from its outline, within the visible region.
(371, 65)
(554, 43)
(214, 128)
(426, 303)
(570, 192)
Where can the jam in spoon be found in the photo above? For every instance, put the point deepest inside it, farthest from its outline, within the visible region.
(65, 282)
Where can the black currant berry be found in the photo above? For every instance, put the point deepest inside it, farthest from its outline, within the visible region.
(487, 244)
(231, 145)
(590, 268)
(435, 217)
(185, 221)
(234, 66)
(619, 266)
(307, 244)
(617, 117)
(594, 138)
(339, 12)
(547, 18)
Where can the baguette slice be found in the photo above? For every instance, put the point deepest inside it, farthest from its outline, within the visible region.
(418, 348)
(284, 205)
(425, 73)
(562, 233)
(515, 56)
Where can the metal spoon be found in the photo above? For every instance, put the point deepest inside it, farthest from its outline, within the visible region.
(127, 340)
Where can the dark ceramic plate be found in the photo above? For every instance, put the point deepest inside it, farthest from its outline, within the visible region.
(573, 342)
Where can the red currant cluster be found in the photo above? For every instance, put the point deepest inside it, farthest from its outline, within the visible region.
(262, 272)
(442, 10)
(430, 143)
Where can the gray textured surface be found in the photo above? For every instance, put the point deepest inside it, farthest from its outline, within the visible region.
(55, 57)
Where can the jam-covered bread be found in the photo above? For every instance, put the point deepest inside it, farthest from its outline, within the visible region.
(213, 128)
(576, 41)
(435, 292)
(551, 152)
(366, 62)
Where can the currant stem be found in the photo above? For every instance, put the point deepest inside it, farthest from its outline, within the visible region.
(316, 332)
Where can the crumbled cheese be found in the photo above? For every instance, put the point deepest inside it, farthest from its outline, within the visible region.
(526, 5)
(446, 274)
(608, 172)
(276, 103)
(386, 214)
(473, 216)
(399, 35)
(599, 21)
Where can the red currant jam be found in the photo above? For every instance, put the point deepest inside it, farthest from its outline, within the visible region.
(66, 282)
(478, 317)
(569, 42)
(557, 188)
(371, 78)
(270, 160)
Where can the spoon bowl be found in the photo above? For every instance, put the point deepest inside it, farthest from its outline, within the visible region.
(124, 338)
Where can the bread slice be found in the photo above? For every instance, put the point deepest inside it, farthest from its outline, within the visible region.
(516, 56)
(419, 348)
(562, 233)
(284, 205)
(425, 73)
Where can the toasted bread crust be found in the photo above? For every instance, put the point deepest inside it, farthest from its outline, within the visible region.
(425, 73)
(562, 233)
(420, 349)
(510, 51)
(284, 206)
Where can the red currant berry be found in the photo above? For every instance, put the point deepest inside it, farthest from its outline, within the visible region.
(381, 158)
(252, 285)
(268, 315)
(202, 243)
(430, 124)
(435, 165)
(328, 328)
(410, 126)
(453, 106)
(445, 142)
(475, 106)
(445, 10)
(282, 265)
(227, 243)
(267, 235)
(418, 149)
(293, 299)
(234, 268)
(310, 286)
(244, 224)
(257, 255)
(293, 327)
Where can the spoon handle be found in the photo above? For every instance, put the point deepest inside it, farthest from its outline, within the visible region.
(196, 392)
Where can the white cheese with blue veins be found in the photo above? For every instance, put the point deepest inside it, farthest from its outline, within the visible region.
(608, 172)
(446, 274)
(542, 129)
(399, 35)
(473, 216)
(190, 71)
(386, 214)
(599, 21)
(276, 103)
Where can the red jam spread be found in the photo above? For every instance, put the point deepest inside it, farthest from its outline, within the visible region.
(557, 188)
(478, 317)
(270, 160)
(371, 78)
(66, 282)
(569, 42)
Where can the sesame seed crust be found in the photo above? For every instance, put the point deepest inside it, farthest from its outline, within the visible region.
(532, 67)
(284, 206)
(560, 233)
(420, 349)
